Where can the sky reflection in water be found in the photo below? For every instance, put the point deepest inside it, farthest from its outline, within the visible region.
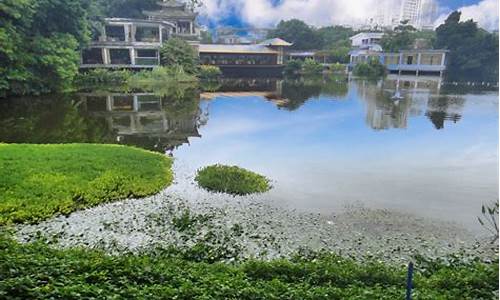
(430, 155)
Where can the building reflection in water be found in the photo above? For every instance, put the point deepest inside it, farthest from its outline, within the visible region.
(288, 94)
(418, 96)
(147, 120)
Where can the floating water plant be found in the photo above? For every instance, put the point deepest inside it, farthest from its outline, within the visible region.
(232, 180)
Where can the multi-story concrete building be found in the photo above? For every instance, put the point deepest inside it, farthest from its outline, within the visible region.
(135, 43)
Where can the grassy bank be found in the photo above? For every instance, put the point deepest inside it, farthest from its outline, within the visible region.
(39, 181)
(35, 271)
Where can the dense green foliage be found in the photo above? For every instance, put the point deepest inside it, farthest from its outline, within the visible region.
(333, 39)
(40, 40)
(39, 43)
(177, 52)
(35, 271)
(97, 77)
(371, 69)
(311, 67)
(209, 72)
(473, 51)
(297, 32)
(158, 80)
(401, 38)
(231, 180)
(39, 181)
(293, 67)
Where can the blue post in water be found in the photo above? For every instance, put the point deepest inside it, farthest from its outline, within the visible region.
(409, 280)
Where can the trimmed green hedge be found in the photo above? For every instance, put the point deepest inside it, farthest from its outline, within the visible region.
(232, 180)
(39, 181)
(35, 271)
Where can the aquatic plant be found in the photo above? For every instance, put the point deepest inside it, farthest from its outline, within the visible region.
(39, 181)
(489, 219)
(232, 180)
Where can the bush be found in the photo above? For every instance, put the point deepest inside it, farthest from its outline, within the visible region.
(102, 77)
(37, 271)
(337, 68)
(177, 52)
(209, 72)
(312, 67)
(293, 67)
(231, 180)
(371, 69)
(39, 181)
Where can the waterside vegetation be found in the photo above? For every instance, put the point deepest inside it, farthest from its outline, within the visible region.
(36, 271)
(232, 180)
(40, 181)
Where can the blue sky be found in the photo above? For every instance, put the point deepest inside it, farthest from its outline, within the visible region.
(267, 13)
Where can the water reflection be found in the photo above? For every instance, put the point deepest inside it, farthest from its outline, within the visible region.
(325, 141)
(146, 120)
(165, 120)
(416, 96)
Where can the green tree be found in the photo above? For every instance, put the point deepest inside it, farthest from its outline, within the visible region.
(473, 51)
(373, 68)
(401, 38)
(177, 52)
(293, 68)
(312, 67)
(335, 36)
(39, 44)
(299, 33)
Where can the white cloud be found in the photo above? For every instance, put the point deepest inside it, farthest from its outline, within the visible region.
(262, 13)
(485, 13)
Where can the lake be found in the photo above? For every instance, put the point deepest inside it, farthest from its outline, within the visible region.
(327, 144)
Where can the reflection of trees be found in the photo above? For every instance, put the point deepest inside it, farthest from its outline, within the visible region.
(54, 119)
(145, 120)
(444, 108)
(149, 120)
(299, 91)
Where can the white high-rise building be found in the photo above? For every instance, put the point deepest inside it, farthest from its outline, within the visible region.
(420, 14)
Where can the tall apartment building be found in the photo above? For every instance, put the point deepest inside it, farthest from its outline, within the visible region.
(419, 13)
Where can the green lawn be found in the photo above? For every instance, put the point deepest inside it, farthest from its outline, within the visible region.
(35, 271)
(39, 181)
(232, 180)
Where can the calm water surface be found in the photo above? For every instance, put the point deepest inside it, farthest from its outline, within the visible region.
(326, 144)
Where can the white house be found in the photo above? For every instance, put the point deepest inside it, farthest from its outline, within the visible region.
(364, 39)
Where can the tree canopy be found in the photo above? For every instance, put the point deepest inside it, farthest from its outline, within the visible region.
(401, 38)
(473, 51)
(299, 33)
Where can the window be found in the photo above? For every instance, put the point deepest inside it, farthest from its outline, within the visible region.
(120, 56)
(92, 56)
(147, 34)
(115, 33)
